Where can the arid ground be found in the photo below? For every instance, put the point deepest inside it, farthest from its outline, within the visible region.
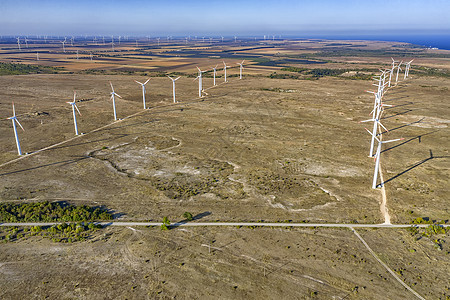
(283, 144)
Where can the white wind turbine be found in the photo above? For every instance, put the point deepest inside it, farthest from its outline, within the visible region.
(225, 70)
(378, 157)
(113, 98)
(37, 55)
(26, 42)
(200, 82)
(143, 90)
(214, 69)
(241, 68)
(64, 49)
(376, 125)
(398, 70)
(392, 71)
(74, 106)
(18, 43)
(14, 121)
(408, 66)
(173, 84)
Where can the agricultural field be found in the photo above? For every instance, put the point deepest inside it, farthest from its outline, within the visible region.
(283, 144)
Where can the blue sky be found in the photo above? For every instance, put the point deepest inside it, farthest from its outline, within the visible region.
(212, 17)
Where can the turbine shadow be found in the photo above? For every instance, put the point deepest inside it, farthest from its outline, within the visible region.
(395, 99)
(415, 165)
(61, 163)
(415, 122)
(398, 114)
(410, 140)
(90, 142)
(399, 105)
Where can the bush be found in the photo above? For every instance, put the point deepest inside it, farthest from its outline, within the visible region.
(188, 216)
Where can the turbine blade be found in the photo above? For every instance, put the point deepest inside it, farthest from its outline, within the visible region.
(393, 140)
(111, 86)
(146, 81)
(17, 121)
(74, 95)
(76, 107)
(369, 120)
(372, 134)
(117, 95)
(177, 78)
(138, 82)
(14, 109)
(379, 123)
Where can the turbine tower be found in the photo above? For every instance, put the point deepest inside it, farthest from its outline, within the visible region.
(241, 68)
(14, 121)
(200, 82)
(113, 98)
(398, 70)
(378, 157)
(225, 70)
(143, 90)
(18, 43)
(173, 83)
(74, 106)
(214, 69)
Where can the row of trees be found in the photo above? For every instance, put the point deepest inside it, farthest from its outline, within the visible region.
(51, 212)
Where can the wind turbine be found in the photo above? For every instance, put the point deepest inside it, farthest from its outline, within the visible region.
(18, 43)
(173, 83)
(225, 70)
(377, 158)
(77, 54)
(91, 56)
(398, 70)
(408, 66)
(37, 55)
(240, 68)
(143, 90)
(64, 49)
(14, 121)
(26, 42)
(376, 125)
(113, 98)
(200, 82)
(214, 69)
(392, 71)
(74, 106)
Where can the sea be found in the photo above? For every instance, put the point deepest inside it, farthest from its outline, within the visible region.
(440, 41)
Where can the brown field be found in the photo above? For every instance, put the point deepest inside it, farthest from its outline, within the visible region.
(252, 149)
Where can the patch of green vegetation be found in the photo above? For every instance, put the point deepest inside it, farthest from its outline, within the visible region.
(51, 212)
(23, 69)
(294, 69)
(426, 71)
(188, 216)
(62, 233)
(434, 231)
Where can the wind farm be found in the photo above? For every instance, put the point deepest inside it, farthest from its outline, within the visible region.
(249, 174)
